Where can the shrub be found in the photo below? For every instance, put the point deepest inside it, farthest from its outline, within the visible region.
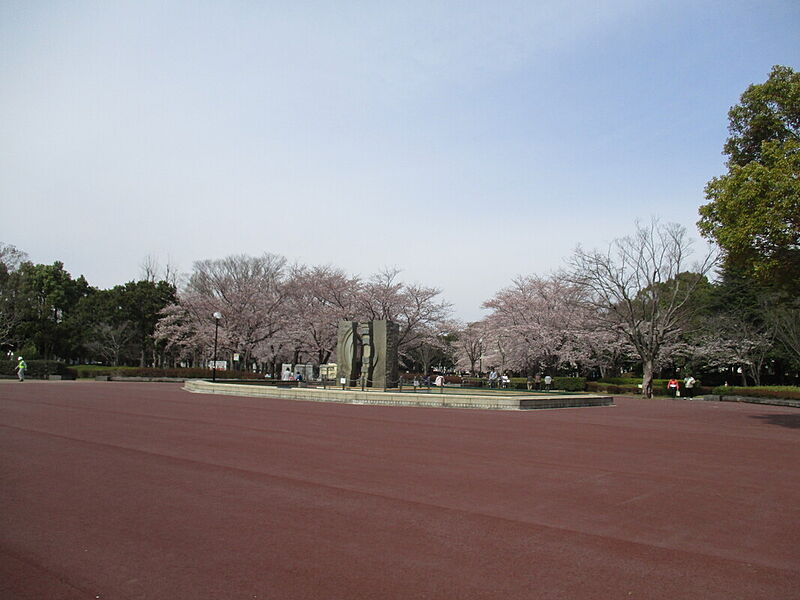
(621, 380)
(519, 383)
(612, 388)
(568, 384)
(773, 391)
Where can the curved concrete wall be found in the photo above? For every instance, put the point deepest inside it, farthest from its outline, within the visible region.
(381, 398)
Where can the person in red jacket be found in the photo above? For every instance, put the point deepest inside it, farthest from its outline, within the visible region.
(674, 387)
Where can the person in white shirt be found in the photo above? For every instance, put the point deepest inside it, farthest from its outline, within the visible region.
(493, 378)
(688, 386)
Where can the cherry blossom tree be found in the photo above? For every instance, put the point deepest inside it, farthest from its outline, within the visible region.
(250, 292)
(318, 298)
(640, 288)
(785, 320)
(598, 349)
(274, 313)
(422, 316)
(470, 346)
(11, 258)
(732, 339)
(533, 325)
(188, 336)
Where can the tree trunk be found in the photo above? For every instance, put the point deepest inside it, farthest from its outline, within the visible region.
(647, 379)
(780, 370)
(755, 374)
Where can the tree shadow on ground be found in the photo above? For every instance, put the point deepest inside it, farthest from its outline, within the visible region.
(792, 421)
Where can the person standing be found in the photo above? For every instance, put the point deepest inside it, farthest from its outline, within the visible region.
(537, 381)
(529, 382)
(493, 379)
(22, 366)
(548, 381)
(688, 385)
(439, 382)
(673, 387)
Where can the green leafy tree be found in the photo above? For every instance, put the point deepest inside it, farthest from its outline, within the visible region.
(44, 298)
(117, 325)
(767, 112)
(753, 212)
(139, 304)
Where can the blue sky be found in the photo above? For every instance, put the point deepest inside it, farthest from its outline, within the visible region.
(463, 142)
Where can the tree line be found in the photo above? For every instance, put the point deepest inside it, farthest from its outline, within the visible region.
(637, 305)
(271, 312)
(47, 314)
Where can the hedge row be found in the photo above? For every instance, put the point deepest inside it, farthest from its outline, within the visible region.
(37, 369)
(198, 373)
(658, 390)
(612, 388)
(40, 369)
(569, 384)
(773, 391)
(630, 381)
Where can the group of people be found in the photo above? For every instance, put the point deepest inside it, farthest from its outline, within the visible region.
(534, 382)
(288, 376)
(496, 380)
(426, 381)
(674, 387)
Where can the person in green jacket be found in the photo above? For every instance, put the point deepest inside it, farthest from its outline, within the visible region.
(21, 367)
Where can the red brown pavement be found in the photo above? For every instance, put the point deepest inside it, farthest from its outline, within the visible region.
(133, 491)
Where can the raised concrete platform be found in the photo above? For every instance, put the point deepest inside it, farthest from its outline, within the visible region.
(381, 398)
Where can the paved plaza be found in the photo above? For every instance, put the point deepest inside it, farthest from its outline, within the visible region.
(146, 491)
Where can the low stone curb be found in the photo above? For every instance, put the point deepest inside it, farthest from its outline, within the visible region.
(380, 398)
(157, 379)
(750, 400)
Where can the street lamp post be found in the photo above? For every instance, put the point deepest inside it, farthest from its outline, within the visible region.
(217, 316)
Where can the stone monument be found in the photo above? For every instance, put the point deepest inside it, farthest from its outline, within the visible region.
(367, 353)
